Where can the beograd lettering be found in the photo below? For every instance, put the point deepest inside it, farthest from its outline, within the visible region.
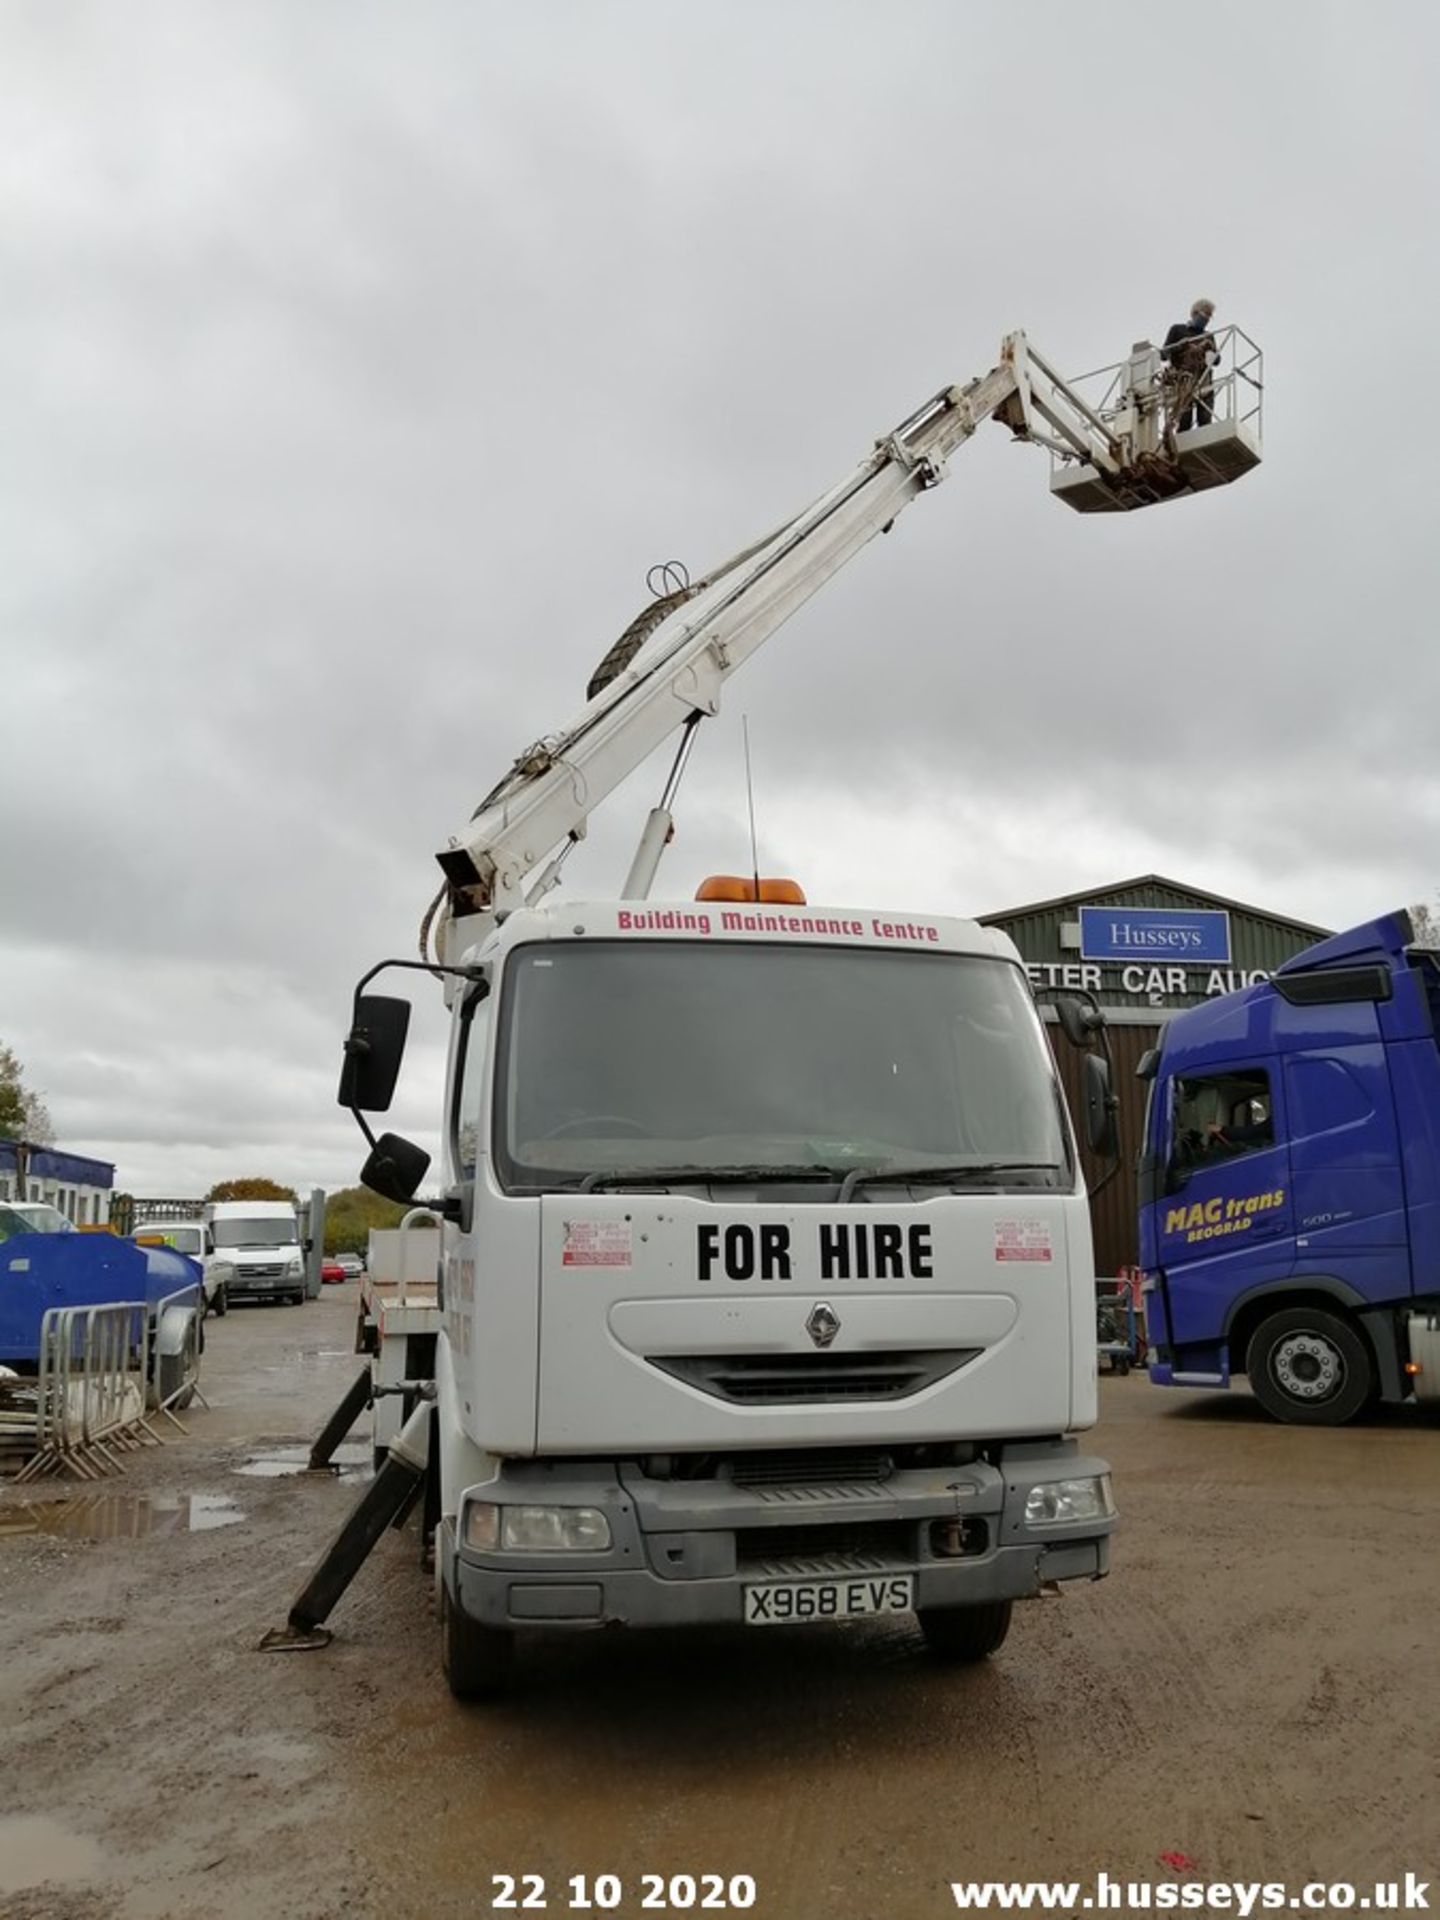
(865, 1250)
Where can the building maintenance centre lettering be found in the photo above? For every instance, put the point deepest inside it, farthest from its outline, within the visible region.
(879, 1251)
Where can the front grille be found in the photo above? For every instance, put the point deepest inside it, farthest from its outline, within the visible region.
(813, 1379)
(811, 1467)
(780, 1553)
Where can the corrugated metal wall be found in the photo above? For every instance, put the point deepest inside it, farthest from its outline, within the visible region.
(1257, 941)
(1112, 1212)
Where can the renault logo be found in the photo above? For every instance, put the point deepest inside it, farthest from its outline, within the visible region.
(823, 1324)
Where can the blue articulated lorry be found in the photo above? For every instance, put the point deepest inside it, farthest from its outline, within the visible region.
(1289, 1181)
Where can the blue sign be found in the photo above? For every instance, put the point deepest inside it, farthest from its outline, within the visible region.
(1199, 936)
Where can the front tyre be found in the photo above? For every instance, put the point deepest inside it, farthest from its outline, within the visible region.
(221, 1304)
(476, 1659)
(1310, 1367)
(963, 1635)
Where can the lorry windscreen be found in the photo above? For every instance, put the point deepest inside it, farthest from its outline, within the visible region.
(673, 1054)
(255, 1233)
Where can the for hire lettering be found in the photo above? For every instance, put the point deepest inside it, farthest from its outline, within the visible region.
(845, 1251)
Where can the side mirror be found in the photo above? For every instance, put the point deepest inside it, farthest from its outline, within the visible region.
(395, 1166)
(373, 1052)
(1101, 1130)
(1077, 1020)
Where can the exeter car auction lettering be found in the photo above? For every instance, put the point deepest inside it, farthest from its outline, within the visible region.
(864, 1251)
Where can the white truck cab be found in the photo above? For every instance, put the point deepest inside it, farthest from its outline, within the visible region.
(766, 1290)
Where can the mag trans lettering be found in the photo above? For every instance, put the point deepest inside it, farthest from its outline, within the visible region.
(1290, 1182)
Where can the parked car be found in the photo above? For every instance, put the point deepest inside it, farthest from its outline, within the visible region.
(40, 1217)
(331, 1272)
(351, 1264)
(12, 1223)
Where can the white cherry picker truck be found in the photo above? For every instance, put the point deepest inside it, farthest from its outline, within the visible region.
(765, 1290)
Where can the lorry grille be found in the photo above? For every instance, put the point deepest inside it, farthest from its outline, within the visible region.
(780, 1553)
(820, 1467)
(813, 1379)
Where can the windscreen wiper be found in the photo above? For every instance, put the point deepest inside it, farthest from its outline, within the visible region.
(947, 1176)
(702, 1176)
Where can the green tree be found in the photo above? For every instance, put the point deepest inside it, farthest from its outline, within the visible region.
(255, 1189)
(23, 1114)
(351, 1212)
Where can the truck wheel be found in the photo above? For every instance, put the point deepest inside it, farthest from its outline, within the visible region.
(222, 1303)
(476, 1659)
(965, 1634)
(1309, 1367)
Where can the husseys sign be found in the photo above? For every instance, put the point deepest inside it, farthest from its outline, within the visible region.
(1155, 933)
(1149, 955)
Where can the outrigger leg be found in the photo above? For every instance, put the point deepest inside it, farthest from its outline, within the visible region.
(389, 1496)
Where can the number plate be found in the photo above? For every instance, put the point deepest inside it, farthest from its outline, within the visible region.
(782, 1602)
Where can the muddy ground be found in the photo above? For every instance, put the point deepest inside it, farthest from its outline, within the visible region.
(1257, 1686)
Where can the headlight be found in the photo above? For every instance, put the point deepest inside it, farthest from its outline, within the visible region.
(293, 1270)
(536, 1529)
(1058, 1503)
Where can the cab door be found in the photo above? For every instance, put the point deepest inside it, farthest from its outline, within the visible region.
(1226, 1220)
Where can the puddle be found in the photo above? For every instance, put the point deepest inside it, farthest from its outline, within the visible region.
(352, 1461)
(34, 1849)
(119, 1516)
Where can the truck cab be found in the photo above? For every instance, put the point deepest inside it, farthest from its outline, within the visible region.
(1290, 1181)
(766, 1285)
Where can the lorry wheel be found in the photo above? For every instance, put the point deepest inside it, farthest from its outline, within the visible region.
(222, 1304)
(476, 1659)
(1309, 1367)
(965, 1634)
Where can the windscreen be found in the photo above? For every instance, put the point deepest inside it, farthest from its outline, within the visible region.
(42, 1218)
(616, 1055)
(183, 1239)
(254, 1233)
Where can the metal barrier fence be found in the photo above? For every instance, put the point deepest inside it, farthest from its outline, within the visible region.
(103, 1370)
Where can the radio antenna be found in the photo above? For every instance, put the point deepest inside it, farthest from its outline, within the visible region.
(750, 797)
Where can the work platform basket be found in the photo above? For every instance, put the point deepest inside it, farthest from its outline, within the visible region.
(1185, 425)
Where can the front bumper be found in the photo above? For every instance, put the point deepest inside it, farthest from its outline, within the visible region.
(264, 1286)
(683, 1552)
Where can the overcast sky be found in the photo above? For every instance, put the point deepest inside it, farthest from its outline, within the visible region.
(358, 359)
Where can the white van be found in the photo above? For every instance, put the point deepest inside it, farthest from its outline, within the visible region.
(261, 1238)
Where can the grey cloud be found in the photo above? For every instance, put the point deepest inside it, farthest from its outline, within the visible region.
(358, 363)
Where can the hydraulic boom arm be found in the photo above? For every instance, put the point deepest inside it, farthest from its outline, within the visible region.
(691, 641)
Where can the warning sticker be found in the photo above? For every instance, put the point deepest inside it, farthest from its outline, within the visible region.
(597, 1243)
(1023, 1240)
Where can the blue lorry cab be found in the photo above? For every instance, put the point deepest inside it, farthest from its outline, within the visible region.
(1289, 1182)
